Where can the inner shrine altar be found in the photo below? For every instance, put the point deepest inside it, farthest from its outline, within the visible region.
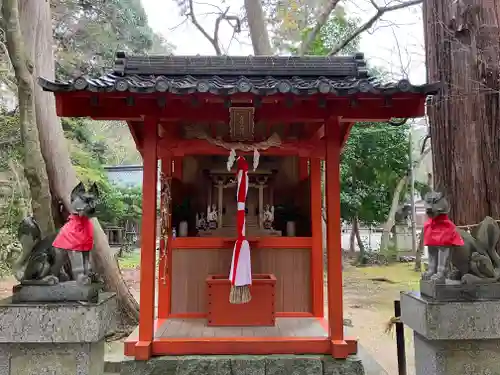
(221, 211)
(240, 140)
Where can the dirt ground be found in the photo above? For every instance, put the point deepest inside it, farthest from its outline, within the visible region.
(369, 293)
(369, 304)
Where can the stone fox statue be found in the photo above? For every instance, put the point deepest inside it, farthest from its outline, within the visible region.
(440, 236)
(63, 256)
(456, 254)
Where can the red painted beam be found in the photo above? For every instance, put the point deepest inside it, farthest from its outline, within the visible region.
(344, 133)
(136, 135)
(201, 147)
(119, 109)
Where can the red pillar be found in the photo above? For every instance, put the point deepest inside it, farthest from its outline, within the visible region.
(164, 269)
(148, 240)
(317, 240)
(340, 347)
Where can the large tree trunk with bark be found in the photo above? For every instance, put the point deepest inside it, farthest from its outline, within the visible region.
(34, 165)
(463, 48)
(258, 28)
(36, 25)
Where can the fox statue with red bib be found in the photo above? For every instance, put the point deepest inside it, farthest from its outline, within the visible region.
(457, 255)
(64, 256)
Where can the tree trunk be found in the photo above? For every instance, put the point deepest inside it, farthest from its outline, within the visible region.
(352, 238)
(258, 28)
(420, 251)
(361, 245)
(391, 217)
(462, 51)
(37, 32)
(34, 165)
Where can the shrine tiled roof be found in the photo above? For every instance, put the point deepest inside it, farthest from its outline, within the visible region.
(224, 75)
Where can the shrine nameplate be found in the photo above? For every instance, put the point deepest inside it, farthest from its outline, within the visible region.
(241, 123)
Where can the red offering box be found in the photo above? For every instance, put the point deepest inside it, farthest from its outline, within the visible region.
(260, 311)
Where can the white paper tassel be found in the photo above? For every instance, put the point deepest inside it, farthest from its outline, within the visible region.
(256, 157)
(231, 159)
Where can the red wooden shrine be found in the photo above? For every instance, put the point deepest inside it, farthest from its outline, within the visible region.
(188, 112)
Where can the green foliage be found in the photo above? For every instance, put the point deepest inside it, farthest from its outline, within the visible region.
(10, 138)
(390, 253)
(117, 204)
(13, 189)
(337, 28)
(130, 260)
(422, 188)
(120, 205)
(375, 156)
(374, 159)
(88, 33)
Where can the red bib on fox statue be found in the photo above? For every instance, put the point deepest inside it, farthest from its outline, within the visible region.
(440, 231)
(76, 235)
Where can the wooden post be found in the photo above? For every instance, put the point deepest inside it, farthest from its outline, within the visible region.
(220, 191)
(148, 240)
(261, 204)
(209, 199)
(317, 240)
(340, 349)
(164, 280)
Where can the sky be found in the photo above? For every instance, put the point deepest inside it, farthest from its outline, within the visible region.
(396, 43)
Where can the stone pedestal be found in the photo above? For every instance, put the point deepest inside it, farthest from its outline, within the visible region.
(451, 338)
(245, 365)
(55, 338)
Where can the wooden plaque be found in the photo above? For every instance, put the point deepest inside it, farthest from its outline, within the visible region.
(241, 123)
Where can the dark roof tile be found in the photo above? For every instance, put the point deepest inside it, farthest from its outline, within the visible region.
(224, 85)
(225, 75)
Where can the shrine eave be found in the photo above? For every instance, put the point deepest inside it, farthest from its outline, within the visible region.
(229, 85)
(230, 75)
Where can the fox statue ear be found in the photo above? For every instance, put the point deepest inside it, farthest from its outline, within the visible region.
(94, 190)
(77, 190)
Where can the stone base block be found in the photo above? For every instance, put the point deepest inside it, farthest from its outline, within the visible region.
(68, 291)
(460, 292)
(53, 359)
(55, 338)
(438, 320)
(448, 357)
(245, 365)
(69, 322)
(453, 338)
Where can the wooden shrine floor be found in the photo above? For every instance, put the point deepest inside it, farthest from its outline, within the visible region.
(285, 327)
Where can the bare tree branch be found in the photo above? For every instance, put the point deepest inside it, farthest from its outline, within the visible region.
(322, 19)
(368, 24)
(222, 16)
(195, 22)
